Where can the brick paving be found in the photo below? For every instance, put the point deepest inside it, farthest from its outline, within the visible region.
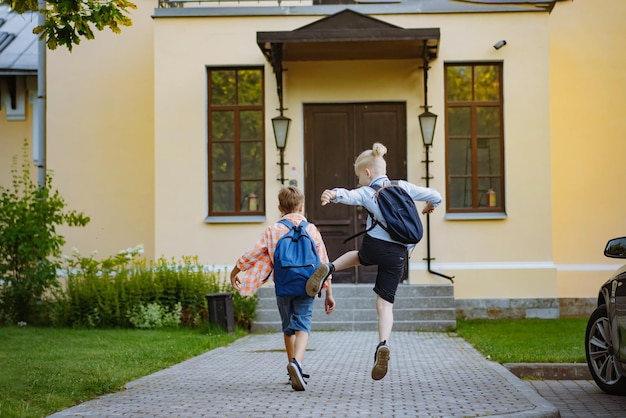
(430, 375)
(580, 398)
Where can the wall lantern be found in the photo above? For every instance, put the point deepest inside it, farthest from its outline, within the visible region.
(280, 124)
(427, 126)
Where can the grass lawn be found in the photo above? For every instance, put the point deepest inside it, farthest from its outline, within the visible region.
(527, 340)
(45, 370)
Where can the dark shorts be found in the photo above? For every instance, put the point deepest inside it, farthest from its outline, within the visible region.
(390, 258)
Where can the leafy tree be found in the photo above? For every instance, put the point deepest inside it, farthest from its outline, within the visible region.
(30, 247)
(67, 21)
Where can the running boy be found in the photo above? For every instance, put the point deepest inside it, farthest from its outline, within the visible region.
(377, 247)
(295, 312)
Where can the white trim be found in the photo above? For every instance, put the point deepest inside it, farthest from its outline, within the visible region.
(588, 267)
(528, 265)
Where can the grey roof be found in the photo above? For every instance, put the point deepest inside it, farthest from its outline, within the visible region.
(18, 43)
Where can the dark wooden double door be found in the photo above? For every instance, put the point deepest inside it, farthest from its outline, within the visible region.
(334, 135)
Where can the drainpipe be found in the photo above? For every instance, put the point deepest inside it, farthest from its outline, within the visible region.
(39, 143)
(427, 145)
(428, 257)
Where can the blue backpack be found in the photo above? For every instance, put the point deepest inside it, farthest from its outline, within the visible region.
(399, 212)
(295, 260)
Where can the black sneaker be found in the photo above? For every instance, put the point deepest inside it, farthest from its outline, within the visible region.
(316, 281)
(295, 375)
(381, 361)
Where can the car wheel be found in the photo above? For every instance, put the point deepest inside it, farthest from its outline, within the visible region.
(601, 355)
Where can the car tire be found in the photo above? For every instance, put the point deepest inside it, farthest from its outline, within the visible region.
(600, 355)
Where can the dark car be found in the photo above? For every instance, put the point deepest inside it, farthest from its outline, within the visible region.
(605, 339)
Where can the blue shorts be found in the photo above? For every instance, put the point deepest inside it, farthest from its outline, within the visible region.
(390, 257)
(296, 313)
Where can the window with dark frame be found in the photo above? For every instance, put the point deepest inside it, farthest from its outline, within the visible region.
(236, 141)
(474, 138)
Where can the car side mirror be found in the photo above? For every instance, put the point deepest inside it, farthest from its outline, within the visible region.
(616, 248)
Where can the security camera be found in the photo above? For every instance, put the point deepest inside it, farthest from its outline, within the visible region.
(499, 44)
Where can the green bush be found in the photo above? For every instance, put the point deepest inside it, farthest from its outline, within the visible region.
(126, 291)
(154, 315)
(30, 247)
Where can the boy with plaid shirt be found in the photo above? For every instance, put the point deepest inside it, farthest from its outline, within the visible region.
(256, 265)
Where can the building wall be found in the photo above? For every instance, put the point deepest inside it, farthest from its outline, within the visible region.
(587, 82)
(12, 136)
(474, 251)
(100, 135)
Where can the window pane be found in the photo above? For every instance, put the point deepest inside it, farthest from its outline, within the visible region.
(460, 157)
(222, 88)
(223, 197)
(251, 160)
(474, 137)
(248, 87)
(460, 193)
(222, 161)
(251, 124)
(236, 141)
(488, 156)
(485, 186)
(488, 121)
(250, 189)
(459, 83)
(487, 79)
(459, 123)
(222, 126)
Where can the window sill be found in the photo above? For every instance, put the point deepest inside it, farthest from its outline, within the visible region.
(476, 216)
(234, 219)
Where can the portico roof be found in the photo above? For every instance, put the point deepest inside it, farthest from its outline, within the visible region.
(349, 35)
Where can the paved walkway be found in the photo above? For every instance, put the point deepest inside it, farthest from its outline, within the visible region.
(430, 375)
(580, 398)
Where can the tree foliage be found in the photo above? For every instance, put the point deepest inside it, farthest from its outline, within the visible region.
(30, 247)
(68, 21)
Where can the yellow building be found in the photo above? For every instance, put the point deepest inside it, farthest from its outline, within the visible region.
(163, 134)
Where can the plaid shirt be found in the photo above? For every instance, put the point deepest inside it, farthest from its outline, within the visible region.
(257, 264)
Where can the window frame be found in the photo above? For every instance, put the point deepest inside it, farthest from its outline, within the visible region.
(477, 196)
(238, 215)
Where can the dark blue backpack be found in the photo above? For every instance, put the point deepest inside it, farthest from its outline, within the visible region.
(295, 260)
(399, 212)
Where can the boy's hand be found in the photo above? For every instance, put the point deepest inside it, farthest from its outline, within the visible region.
(429, 208)
(234, 279)
(329, 304)
(327, 196)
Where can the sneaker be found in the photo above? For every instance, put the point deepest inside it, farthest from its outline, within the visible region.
(316, 281)
(306, 376)
(295, 375)
(381, 361)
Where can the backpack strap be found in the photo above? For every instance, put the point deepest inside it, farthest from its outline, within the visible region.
(376, 188)
(289, 225)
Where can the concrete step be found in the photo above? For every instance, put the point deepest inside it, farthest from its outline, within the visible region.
(416, 308)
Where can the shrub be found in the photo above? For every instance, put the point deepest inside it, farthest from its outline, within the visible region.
(126, 291)
(30, 247)
(154, 315)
